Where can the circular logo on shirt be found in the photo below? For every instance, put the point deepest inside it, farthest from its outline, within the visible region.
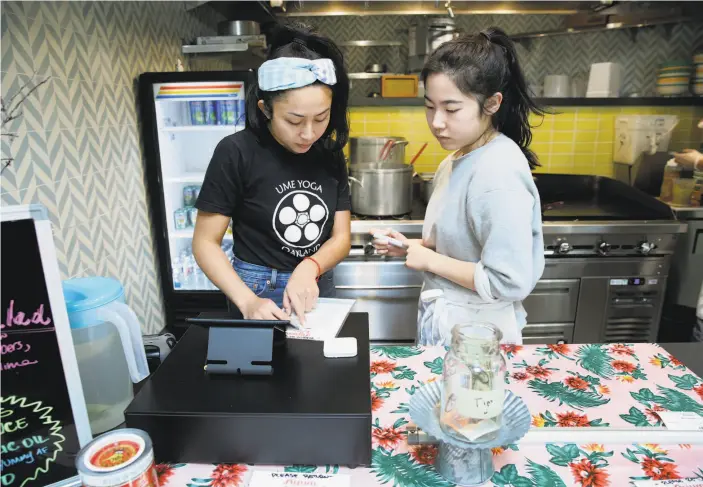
(299, 218)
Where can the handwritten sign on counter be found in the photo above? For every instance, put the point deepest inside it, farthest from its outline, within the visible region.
(295, 479)
(42, 412)
(689, 482)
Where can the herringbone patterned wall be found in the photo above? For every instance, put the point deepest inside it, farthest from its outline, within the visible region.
(570, 55)
(78, 149)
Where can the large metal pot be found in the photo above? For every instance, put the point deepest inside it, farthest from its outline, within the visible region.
(368, 149)
(441, 30)
(238, 28)
(427, 181)
(381, 189)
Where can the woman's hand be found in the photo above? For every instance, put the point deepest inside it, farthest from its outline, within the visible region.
(257, 308)
(302, 292)
(690, 159)
(383, 247)
(419, 257)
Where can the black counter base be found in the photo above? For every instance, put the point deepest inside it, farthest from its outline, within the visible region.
(311, 411)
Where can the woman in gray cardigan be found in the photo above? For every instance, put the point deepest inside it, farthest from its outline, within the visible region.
(482, 248)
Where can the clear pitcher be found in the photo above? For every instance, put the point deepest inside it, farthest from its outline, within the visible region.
(109, 348)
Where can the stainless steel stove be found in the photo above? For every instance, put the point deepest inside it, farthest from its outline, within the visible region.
(607, 246)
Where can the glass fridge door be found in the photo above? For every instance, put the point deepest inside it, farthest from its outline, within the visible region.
(192, 118)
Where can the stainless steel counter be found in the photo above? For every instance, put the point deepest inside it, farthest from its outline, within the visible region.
(414, 227)
(686, 212)
(603, 281)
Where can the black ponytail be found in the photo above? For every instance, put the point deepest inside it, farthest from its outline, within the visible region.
(300, 40)
(481, 65)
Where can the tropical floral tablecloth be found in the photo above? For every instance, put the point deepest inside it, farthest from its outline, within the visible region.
(622, 385)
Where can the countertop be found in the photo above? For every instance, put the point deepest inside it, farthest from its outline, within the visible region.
(598, 412)
(691, 354)
(688, 212)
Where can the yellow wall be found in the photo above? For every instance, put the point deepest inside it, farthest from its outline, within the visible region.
(576, 140)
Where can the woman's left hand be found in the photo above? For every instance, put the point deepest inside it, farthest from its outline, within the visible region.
(301, 293)
(419, 257)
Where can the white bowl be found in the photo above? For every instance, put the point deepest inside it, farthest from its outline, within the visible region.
(672, 90)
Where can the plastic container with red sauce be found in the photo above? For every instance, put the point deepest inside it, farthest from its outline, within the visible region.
(120, 458)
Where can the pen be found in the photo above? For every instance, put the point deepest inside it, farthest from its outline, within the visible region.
(391, 241)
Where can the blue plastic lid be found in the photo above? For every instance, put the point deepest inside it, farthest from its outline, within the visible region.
(85, 293)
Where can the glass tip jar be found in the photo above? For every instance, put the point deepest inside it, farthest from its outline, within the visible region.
(473, 388)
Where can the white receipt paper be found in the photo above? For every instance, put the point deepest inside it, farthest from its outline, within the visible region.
(276, 479)
(685, 421)
(689, 482)
(323, 322)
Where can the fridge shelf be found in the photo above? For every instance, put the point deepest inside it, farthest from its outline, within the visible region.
(188, 234)
(204, 128)
(196, 177)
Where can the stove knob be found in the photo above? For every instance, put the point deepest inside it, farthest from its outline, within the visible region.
(563, 247)
(646, 247)
(604, 248)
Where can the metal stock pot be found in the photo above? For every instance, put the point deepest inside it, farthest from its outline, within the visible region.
(368, 149)
(381, 189)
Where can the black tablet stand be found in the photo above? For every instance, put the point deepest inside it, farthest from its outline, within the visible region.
(239, 346)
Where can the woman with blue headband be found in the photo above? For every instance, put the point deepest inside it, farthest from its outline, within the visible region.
(283, 183)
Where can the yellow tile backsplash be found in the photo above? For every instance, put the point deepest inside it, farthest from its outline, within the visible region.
(571, 140)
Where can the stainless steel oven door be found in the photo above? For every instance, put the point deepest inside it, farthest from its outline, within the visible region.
(386, 290)
(553, 333)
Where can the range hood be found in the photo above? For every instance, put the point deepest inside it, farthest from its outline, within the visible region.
(318, 8)
(623, 15)
(579, 16)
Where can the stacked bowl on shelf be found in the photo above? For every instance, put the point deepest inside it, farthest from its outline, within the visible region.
(673, 78)
(697, 82)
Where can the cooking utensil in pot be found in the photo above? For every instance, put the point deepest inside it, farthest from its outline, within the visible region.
(386, 151)
(381, 189)
(412, 161)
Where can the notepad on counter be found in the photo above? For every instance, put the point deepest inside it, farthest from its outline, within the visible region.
(280, 479)
(324, 321)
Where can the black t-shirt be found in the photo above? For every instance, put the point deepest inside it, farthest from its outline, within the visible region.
(282, 204)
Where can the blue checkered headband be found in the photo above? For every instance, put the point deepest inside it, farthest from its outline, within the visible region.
(285, 73)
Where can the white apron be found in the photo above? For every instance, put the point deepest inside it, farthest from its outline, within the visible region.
(440, 309)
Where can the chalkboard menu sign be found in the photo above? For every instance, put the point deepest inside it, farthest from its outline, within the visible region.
(42, 410)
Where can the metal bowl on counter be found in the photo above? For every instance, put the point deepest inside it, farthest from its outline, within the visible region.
(376, 68)
(381, 189)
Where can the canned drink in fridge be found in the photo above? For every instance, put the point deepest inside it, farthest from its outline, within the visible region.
(197, 113)
(196, 193)
(210, 112)
(188, 196)
(226, 112)
(180, 219)
(240, 113)
(192, 215)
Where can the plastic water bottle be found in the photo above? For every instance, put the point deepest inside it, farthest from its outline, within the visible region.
(177, 274)
(200, 278)
(188, 281)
